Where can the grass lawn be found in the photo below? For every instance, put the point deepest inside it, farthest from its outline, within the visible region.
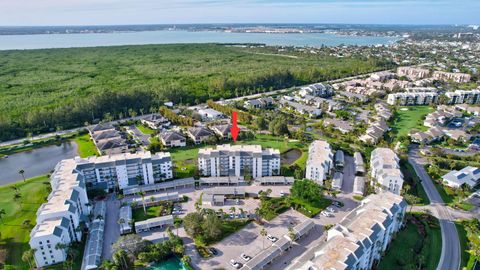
(406, 120)
(310, 209)
(15, 236)
(86, 147)
(420, 238)
(411, 178)
(153, 211)
(144, 129)
(445, 192)
(462, 235)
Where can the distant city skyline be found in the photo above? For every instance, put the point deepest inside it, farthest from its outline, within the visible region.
(116, 12)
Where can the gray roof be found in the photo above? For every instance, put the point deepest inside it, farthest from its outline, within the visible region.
(101, 127)
(224, 130)
(111, 144)
(199, 132)
(169, 136)
(105, 135)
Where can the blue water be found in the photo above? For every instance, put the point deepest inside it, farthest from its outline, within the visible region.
(43, 41)
(171, 264)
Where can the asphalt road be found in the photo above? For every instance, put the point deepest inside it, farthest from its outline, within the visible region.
(450, 257)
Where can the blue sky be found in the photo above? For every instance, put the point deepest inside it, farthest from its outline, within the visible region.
(101, 12)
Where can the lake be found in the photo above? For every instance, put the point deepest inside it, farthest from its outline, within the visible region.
(35, 162)
(43, 41)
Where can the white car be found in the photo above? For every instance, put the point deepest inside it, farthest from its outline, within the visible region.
(326, 214)
(235, 264)
(245, 257)
(331, 210)
(272, 238)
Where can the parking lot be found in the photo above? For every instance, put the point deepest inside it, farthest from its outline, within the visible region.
(249, 241)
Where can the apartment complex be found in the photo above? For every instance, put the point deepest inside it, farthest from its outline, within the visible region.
(360, 238)
(412, 98)
(451, 76)
(386, 170)
(463, 97)
(107, 139)
(319, 162)
(59, 218)
(124, 170)
(413, 73)
(469, 176)
(317, 89)
(239, 160)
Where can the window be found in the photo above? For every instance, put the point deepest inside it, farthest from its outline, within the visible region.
(48, 241)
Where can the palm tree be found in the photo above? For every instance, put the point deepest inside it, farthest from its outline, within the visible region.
(142, 194)
(2, 213)
(27, 257)
(291, 233)
(22, 173)
(263, 233)
(233, 209)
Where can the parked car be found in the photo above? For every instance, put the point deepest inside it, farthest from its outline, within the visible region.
(330, 209)
(326, 214)
(235, 264)
(213, 251)
(232, 215)
(245, 257)
(337, 204)
(282, 193)
(272, 238)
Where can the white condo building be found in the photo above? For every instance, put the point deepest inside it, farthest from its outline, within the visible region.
(59, 218)
(386, 170)
(360, 238)
(412, 98)
(239, 160)
(319, 162)
(67, 205)
(125, 170)
(463, 97)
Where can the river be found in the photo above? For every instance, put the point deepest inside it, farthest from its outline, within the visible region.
(35, 162)
(43, 41)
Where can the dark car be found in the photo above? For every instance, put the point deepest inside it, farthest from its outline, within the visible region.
(213, 251)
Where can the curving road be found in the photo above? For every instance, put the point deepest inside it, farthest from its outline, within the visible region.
(450, 257)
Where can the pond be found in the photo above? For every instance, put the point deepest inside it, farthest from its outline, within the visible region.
(171, 264)
(290, 156)
(35, 162)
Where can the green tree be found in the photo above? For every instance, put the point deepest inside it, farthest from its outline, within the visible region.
(212, 227)
(193, 223)
(27, 257)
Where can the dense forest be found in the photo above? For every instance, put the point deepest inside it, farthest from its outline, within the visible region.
(44, 90)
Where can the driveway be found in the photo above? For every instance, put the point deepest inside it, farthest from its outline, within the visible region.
(142, 138)
(348, 175)
(450, 258)
(112, 229)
